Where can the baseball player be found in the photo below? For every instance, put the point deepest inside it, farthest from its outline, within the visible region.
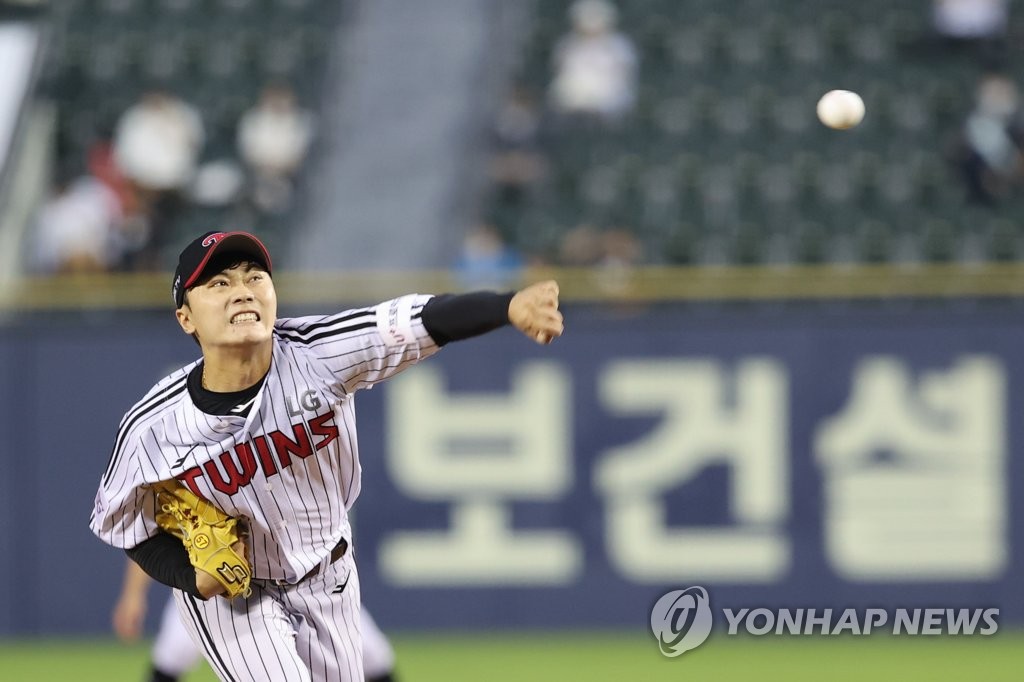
(262, 428)
(173, 653)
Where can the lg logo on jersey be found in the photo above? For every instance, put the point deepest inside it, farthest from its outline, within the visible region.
(307, 401)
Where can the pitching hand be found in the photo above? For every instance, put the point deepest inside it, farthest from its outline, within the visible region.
(208, 585)
(534, 312)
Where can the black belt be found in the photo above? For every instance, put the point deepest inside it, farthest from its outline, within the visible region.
(336, 553)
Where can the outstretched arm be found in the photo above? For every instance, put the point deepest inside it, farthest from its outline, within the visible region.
(532, 310)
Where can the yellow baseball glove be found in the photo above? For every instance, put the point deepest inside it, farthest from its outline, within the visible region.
(208, 534)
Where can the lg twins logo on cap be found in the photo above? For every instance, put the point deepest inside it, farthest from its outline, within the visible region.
(213, 239)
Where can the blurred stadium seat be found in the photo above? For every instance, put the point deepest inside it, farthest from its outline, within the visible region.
(724, 137)
(217, 54)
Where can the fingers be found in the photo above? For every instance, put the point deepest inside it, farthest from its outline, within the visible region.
(207, 585)
(129, 613)
(549, 328)
(128, 625)
(534, 311)
(546, 293)
(549, 285)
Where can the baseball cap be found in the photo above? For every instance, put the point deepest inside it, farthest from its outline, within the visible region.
(194, 257)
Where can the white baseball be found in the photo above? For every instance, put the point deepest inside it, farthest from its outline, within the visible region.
(840, 109)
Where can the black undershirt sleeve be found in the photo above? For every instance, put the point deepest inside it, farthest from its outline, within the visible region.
(165, 560)
(452, 317)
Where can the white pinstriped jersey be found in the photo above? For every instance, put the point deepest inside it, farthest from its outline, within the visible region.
(290, 468)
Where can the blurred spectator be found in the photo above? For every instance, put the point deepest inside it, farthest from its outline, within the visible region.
(218, 183)
(621, 249)
(134, 228)
(595, 65)
(517, 162)
(157, 144)
(991, 142)
(486, 261)
(585, 246)
(76, 229)
(103, 166)
(973, 23)
(273, 138)
(580, 247)
(611, 255)
(622, 253)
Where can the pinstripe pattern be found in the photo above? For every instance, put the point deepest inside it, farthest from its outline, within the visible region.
(289, 468)
(176, 653)
(282, 633)
(208, 645)
(146, 407)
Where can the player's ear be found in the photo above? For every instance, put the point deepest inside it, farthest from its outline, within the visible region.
(184, 315)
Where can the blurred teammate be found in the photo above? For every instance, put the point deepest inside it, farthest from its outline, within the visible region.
(174, 654)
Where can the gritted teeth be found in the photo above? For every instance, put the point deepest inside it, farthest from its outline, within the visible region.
(245, 317)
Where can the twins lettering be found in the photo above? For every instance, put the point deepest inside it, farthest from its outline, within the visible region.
(273, 452)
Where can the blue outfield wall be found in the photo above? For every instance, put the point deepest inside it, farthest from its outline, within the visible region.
(831, 456)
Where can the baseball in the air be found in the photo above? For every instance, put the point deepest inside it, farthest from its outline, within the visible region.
(840, 109)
